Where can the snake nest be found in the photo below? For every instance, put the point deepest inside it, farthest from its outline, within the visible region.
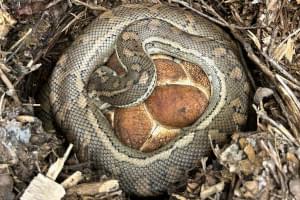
(135, 32)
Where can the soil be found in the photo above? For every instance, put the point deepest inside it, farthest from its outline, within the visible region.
(260, 162)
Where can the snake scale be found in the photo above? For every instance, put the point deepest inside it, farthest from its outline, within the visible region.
(175, 32)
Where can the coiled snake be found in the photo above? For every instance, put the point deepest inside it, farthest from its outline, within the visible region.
(160, 29)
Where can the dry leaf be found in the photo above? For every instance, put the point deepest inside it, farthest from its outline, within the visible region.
(286, 50)
(272, 5)
(279, 52)
(6, 22)
(290, 49)
(254, 39)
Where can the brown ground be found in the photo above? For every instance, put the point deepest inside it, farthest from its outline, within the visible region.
(263, 163)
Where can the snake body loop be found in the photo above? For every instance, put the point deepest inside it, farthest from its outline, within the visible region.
(172, 31)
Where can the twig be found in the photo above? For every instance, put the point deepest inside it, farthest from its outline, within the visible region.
(55, 37)
(19, 43)
(56, 167)
(1, 105)
(32, 67)
(254, 57)
(289, 36)
(52, 3)
(291, 84)
(92, 7)
(283, 130)
(20, 40)
(32, 104)
(279, 177)
(278, 67)
(291, 100)
(220, 22)
(286, 114)
(76, 17)
(11, 89)
(292, 96)
(5, 68)
(272, 153)
(13, 53)
(233, 30)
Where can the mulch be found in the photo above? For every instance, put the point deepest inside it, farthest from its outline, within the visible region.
(262, 162)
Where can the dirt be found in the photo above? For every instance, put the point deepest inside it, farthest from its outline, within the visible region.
(260, 162)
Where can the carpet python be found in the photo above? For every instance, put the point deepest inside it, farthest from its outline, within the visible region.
(134, 32)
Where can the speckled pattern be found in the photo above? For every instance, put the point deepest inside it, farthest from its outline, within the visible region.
(189, 37)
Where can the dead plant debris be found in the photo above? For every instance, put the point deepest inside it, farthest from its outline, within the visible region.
(261, 164)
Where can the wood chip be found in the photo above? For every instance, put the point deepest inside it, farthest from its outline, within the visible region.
(212, 190)
(92, 189)
(42, 188)
(72, 180)
(249, 150)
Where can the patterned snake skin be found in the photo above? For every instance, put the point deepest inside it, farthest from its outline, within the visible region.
(183, 34)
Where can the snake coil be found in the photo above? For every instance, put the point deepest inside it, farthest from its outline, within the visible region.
(194, 39)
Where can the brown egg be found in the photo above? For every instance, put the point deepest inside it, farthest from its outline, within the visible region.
(179, 99)
(131, 124)
(176, 105)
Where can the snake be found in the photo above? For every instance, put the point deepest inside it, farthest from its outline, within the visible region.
(135, 32)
